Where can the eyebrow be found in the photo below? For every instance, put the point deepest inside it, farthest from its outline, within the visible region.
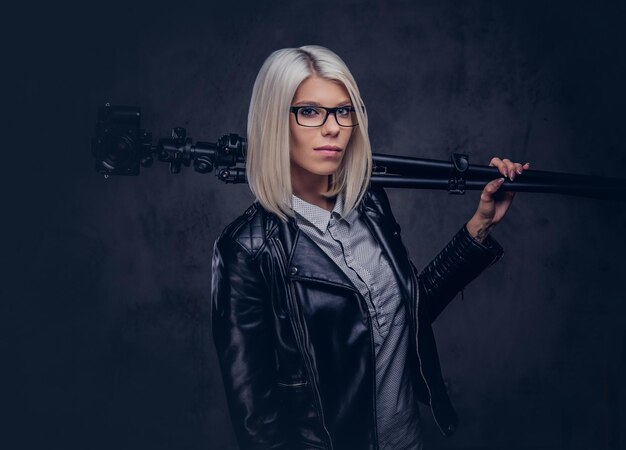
(312, 103)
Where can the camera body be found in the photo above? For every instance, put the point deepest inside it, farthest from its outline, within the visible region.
(120, 146)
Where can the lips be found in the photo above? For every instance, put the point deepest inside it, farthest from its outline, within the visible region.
(328, 148)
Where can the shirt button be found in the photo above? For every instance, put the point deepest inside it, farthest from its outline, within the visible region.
(293, 270)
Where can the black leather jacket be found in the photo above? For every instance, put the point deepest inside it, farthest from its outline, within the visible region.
(293, 335)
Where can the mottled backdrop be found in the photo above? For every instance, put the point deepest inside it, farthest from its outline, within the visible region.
(106, 338)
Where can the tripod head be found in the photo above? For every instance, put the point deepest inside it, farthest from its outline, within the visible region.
(121, 147)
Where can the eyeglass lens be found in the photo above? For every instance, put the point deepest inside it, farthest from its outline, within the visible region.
(311, 116)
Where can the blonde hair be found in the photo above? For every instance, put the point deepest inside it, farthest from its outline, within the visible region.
(268, 162)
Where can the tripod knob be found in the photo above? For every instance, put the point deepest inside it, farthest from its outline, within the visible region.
(456, 182)
(146, 161)
(202, 164)
(179, 133)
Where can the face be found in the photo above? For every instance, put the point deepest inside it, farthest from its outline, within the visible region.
(317, 152)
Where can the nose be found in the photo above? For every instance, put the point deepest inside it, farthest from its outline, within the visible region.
(331, 126)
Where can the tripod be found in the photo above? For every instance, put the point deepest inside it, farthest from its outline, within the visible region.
(121, 147)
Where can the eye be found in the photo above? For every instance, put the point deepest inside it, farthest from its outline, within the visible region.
(345, 111)
(308, 111)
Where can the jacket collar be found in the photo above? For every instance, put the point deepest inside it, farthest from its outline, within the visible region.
(307, 261)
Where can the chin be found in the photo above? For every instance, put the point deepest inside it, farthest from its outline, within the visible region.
(327, 170)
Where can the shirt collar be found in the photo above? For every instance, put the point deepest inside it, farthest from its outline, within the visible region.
(319, 217)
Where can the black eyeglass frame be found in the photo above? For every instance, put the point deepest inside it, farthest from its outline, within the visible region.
(329, 111)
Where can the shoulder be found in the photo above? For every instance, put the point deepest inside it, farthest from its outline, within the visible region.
(377, 203)
(249, 232)
(375, 198)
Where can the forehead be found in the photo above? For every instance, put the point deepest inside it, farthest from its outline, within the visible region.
(322, 91)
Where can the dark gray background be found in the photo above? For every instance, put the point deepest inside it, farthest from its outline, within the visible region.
(106, 337)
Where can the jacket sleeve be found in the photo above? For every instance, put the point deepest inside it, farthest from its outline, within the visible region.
(243, 339)
(460, 261)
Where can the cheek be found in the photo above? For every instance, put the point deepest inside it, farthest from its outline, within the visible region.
(296, 137)
(348, 136)
(300, 140)
(297, 151)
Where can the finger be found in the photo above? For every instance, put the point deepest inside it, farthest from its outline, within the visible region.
(501, 165)
(495, 161)
(510, 168)
(507, 199)
(491, 188)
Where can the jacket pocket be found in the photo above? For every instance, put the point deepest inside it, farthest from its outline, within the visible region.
(302, 419)
(292, 386)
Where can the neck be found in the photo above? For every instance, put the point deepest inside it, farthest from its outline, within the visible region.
(312, 189)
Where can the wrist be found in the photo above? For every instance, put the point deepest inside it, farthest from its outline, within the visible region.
(479, 228)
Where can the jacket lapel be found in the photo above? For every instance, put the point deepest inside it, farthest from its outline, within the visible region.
(305, 260)
(389, 239)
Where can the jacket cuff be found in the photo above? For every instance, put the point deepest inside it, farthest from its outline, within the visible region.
(489, 249)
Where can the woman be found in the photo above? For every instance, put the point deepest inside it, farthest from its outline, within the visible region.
(321, 323)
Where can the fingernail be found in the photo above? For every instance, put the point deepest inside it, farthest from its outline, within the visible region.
(501, 180)
(512, 175)
(519, 171)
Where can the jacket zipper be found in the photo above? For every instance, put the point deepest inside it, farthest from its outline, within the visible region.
(327, 283)
(372, 351)
(414, 286)
(306, 356)
(292, 385)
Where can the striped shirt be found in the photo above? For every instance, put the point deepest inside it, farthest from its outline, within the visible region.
(347, 240)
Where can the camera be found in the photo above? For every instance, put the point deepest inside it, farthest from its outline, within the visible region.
(120, 146)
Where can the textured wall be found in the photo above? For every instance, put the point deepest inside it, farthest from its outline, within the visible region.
(106, 298)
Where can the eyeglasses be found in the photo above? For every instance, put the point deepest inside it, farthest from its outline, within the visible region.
(316, 116)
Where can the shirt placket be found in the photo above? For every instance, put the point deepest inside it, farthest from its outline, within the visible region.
(340, 232)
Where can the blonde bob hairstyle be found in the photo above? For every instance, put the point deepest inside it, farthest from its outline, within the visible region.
(268, 162)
